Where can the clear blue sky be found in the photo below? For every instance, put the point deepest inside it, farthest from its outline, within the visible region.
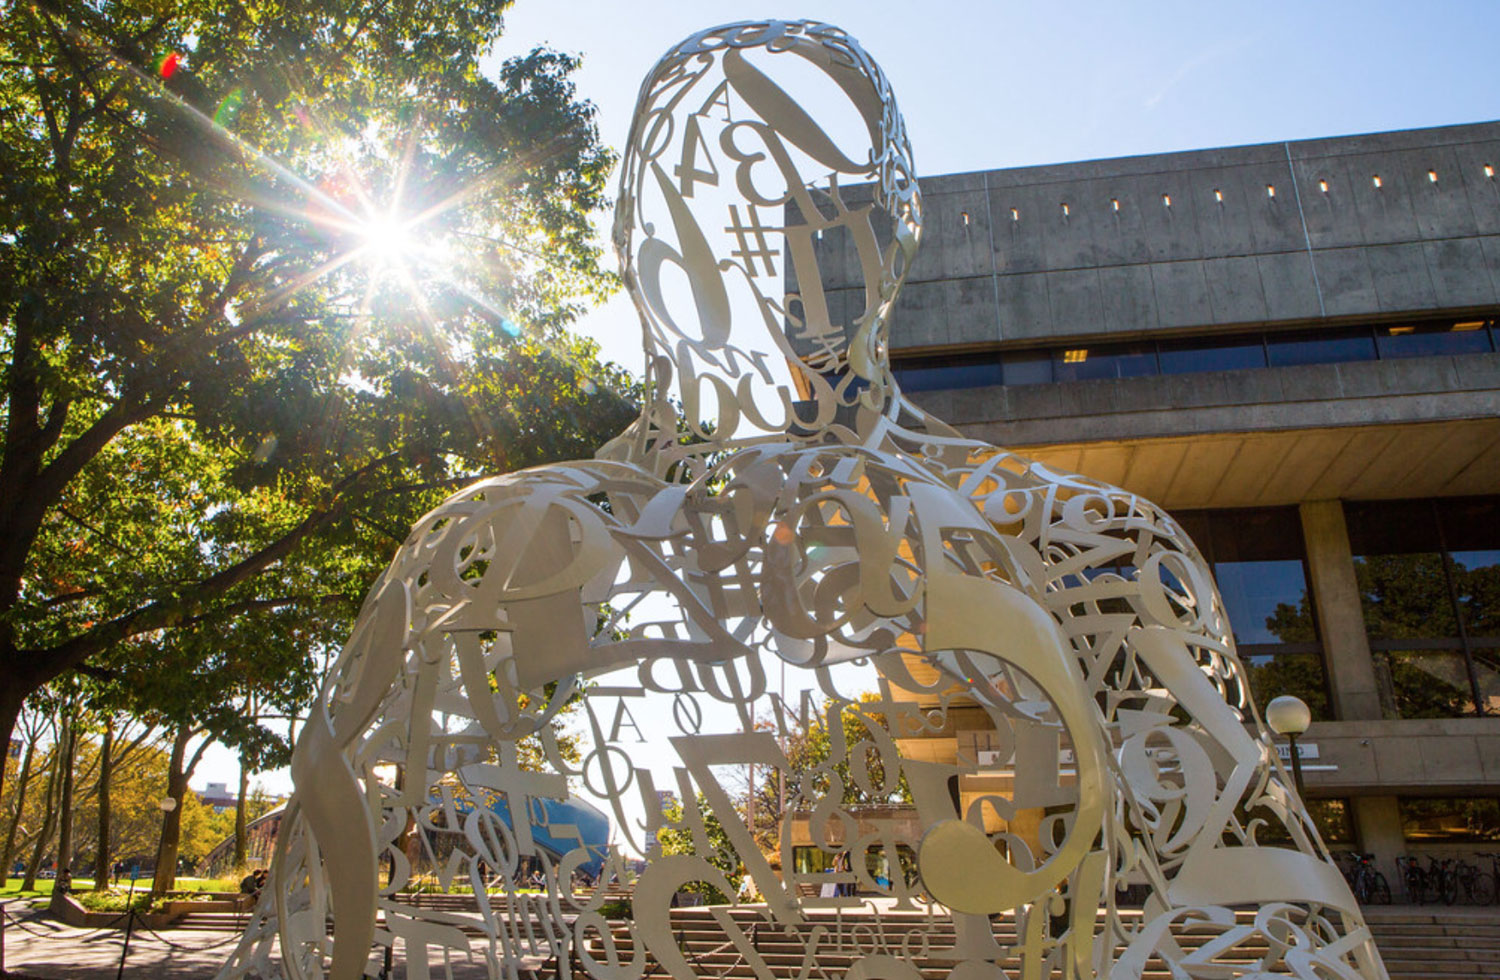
(1000, 84)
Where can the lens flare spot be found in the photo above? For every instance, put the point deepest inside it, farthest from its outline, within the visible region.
(229, 107)
(509, 328)
(266, 448)
(168, 64)
(588, 387)
(783, 535)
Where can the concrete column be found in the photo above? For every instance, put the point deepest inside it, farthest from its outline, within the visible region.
(1377, 826)
(1346, 649)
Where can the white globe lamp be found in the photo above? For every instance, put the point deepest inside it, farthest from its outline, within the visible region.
(1290, 716)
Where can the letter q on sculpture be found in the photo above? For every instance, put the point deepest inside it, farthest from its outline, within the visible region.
(788, 514)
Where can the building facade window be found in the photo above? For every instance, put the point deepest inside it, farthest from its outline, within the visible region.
(1260, 563)
(1331, 815)
(1429, 581)
(1449, 820)
(1320, 347)
(1113, 361)
(1188, 355)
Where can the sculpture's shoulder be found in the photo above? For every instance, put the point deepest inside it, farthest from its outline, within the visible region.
(1048, 502)
(485, 501)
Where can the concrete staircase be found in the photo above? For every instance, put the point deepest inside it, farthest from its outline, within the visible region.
(906, 936)
(236, 921)
(1423, 942)
(213, 921)
(1417, 942)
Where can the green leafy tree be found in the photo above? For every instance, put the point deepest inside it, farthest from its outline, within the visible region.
(676, 837)
(1405, 597)
(273, 279)
(818, 767)
(822, 766)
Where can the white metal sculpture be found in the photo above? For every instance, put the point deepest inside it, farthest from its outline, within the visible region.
(820, 521)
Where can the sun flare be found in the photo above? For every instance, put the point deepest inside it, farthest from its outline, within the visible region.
(386, 239)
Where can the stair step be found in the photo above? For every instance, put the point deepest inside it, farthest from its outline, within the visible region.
(1416, 942)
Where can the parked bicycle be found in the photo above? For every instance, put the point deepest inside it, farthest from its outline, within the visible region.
(1367, 883)
(1475, 886)
(1442, 881)
(1413, 878)
(1492, 876)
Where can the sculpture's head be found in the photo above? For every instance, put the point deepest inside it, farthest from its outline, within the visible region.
(734, 193)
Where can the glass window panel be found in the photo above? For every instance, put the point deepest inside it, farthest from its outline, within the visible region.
(1232, 354)
(1267, 601)
(1320, 348)
(1330, 816)
(1290, 673)
(1034, 368)
(1471, 532)
(1111, 579)
(1405, 596)
(1114, 361)
(1334, 821)
(918, 379)
(1424, 684)
(931, 377)
(1428, 339)
(1449, 820)
(1487, 668)
(1476, 579)
(812, 860)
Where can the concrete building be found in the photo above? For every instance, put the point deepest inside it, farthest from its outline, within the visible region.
(1293, 347)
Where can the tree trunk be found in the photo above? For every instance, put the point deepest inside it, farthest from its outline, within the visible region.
(39, 850)
(240, 836)
(102, 857)
(65, 802)
(171, 824)
(23, 781)
(12, 698)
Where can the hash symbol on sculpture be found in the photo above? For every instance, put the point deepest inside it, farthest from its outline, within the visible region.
(1023, 680)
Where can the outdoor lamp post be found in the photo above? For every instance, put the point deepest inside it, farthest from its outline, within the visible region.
(1288, 715)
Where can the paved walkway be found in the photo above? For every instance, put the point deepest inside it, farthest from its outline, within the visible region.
(36, 945)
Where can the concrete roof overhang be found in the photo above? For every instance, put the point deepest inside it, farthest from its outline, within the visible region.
(1258, 469)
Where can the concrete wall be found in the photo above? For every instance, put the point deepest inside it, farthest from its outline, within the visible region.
(1436, 757)
(1001, 263)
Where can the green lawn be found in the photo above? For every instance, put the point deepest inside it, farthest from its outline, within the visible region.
(12, 889)
(12, 886)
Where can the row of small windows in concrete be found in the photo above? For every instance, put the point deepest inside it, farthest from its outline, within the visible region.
(1188, 355)
(1166, 199)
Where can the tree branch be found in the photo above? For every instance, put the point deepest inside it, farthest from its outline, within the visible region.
(161, 613)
